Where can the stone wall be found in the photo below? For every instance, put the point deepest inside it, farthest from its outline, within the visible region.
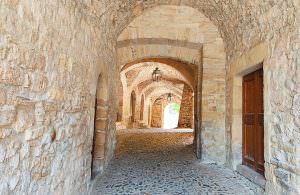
(48, 50)
(186, 108)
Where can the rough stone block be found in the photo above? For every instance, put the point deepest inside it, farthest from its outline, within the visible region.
(101, 113)
(99, 151)
(13, 182)
(12, 149)
(2, 153)
(11, 76)
(5, 133)
(24, 101)
(34, 133)
(100, 124)
(7, 115)
(25, 120)
(24, 152)
(39, 82)
(282, 174)
(75, 105)
(2, 97)
(296, 106)
(39, 113)
(3, 53)
(36, 61)
(100, 137)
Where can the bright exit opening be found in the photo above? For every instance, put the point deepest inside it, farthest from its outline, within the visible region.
(171, 116)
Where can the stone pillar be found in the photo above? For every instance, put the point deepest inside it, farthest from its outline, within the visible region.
(142, 108)
(100, 136)
(120, 102)
(186, 108)
(198, 109)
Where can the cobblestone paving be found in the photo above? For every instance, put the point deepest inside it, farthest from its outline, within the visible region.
(162, 162)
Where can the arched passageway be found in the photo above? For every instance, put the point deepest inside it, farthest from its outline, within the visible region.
(193, 68)
(240, 59)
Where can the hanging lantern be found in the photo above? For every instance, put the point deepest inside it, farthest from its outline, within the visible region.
(156, 75)
(169, 98)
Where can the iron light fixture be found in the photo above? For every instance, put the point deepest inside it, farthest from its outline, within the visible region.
(156, 75)
(169, 98)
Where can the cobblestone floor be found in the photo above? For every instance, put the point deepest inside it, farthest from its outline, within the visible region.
(161, 162)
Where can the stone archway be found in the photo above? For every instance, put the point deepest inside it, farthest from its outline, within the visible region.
(199, 57)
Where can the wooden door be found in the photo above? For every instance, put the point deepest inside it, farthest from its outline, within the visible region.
(253, 121)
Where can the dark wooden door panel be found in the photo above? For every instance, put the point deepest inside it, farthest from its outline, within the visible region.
(253, 121)
(249, 146)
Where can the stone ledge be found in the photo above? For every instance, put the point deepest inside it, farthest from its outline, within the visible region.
(253, 176)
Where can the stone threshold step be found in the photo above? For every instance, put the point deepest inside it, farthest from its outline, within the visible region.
(253, 176)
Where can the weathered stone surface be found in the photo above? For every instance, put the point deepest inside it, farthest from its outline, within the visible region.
(3, 53)
(7, 115)
(2, 97)
(4, 188)
(39, 82)
(34, 61)
(25, 120)
(2, 153)
(186, 109)
(296, 106)
(39, 113)
(11, 76)
(5, 132)
(13, 182)
(34, 133)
